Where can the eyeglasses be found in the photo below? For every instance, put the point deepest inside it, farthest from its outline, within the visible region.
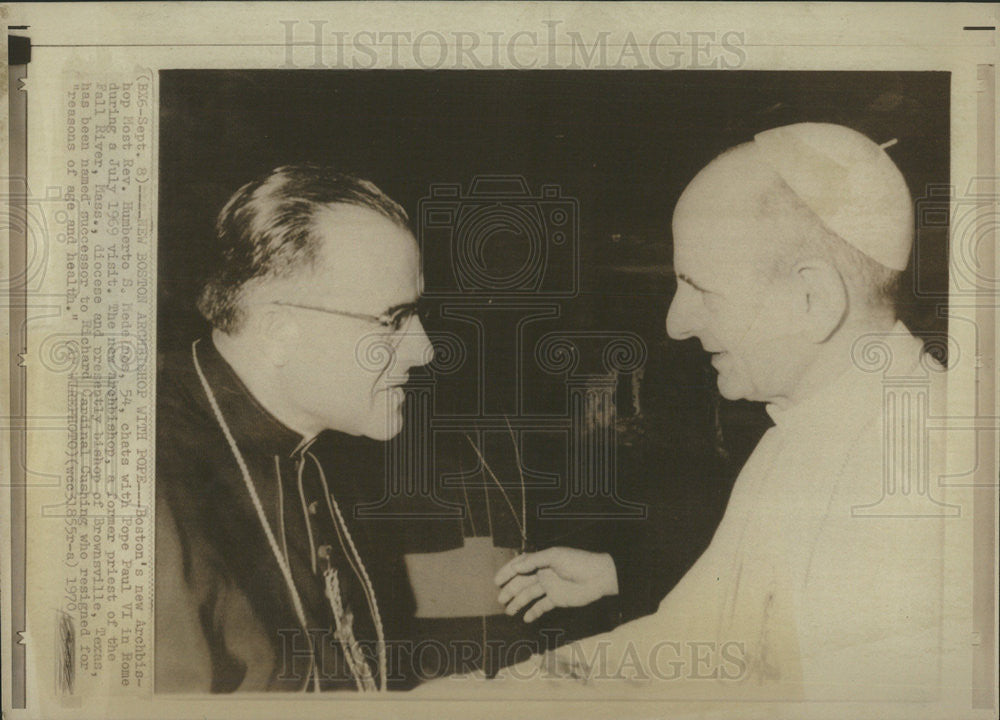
(395, 318)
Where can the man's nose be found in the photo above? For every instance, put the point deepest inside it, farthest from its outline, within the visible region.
(416, 349)
(682, 316)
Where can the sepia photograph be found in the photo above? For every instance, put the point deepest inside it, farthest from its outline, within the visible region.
(455, 369)
(456, 359)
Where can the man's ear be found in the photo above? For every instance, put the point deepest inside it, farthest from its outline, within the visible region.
(278, 333)
(822, 300)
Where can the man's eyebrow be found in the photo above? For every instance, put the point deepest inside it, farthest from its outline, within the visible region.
(402, 306)
(692, 283)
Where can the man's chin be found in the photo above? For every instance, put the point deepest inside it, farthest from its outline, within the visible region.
(731, 390)
(389, 427)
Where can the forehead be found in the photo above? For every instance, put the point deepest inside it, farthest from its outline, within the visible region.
(719, 226)
(365, 259)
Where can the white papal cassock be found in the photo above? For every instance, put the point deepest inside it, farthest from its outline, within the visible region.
(829, 576)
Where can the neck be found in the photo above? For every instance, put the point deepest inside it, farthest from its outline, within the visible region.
(245, 358)
(835, 357)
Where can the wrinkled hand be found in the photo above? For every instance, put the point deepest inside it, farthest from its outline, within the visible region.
(556, 577)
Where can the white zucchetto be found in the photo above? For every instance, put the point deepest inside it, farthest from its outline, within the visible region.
(849, 182)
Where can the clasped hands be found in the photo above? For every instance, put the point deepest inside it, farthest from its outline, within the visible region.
(556, 577)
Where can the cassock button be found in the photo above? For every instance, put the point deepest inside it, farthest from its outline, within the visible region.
(314, 507)
(324, 552)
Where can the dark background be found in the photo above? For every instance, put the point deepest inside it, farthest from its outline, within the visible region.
(624, 145)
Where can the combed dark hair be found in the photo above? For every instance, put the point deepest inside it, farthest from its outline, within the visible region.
(266, 230)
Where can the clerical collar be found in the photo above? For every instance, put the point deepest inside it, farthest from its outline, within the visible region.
(851, 394)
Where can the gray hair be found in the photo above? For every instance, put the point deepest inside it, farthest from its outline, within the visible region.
(874, 284)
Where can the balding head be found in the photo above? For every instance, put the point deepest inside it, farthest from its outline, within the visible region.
(749, 211)
(765, 282)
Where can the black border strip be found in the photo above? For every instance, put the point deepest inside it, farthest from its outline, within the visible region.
(19, 53)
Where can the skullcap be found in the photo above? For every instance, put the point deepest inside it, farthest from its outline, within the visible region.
(849, 182)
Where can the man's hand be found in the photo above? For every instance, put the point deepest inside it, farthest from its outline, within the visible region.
(557, 577)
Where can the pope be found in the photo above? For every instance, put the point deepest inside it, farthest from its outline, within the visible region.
(825, 578)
